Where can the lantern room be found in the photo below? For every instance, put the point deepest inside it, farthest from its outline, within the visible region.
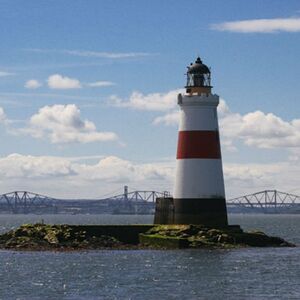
(198, 78)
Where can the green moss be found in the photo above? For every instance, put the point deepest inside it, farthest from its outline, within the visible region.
(202, 237)
(164, 242)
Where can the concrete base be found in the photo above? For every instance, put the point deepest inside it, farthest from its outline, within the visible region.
(208, 212)
(164, 211)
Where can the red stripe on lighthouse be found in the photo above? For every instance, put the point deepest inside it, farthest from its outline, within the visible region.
(198, 144)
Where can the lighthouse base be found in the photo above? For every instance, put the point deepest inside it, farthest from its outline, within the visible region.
(209, 211)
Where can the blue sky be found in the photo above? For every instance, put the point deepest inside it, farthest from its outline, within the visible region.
(88, 92)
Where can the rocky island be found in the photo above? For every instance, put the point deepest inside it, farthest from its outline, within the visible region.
(88, 237)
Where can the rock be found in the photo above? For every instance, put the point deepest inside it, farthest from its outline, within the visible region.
(51, 238)
(214, 232)
(72, 237)
(200, 237)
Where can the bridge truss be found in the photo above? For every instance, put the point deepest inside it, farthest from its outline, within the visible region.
(137, 196)
(268, 201)
(25, 202)
(271, 201)
(128, 202)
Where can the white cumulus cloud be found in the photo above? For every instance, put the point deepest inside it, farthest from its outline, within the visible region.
(57, 81)
(115, 169)
(260, 25)
(168, 119)
(150, 102)
(259, 129)
(32, 84)
(69, 177)
(63, 124)
(27, 166)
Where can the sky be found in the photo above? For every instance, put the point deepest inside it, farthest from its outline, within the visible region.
(88, 93)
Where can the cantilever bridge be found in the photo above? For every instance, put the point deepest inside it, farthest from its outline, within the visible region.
(25, 202)
(268, 201)
(128, 202)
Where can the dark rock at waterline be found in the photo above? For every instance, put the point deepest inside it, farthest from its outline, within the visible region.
(81, 237)
(55, 237)
(197, 236)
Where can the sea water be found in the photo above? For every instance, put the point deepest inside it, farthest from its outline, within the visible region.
(252, 273)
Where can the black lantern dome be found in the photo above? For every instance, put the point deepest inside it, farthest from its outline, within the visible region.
(198, 67)
(198, 75)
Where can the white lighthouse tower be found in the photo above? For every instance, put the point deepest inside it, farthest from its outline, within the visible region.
(199, 194)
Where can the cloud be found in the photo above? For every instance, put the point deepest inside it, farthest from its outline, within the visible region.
(106, 54)
(260, 25)
(63, 124)
(150, 102)
(27, 166)
(70, 177)
(172, 118)
(4, 74)
(58, 81)
(3, 118)
(48, 95)
(101, 84)
(242, 179)
(73, 177)
(96, 54)
(168, 119)
(115, 169)
(257, 129)
(32, 84)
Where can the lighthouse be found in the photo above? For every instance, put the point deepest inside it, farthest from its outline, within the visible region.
(199, 193)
